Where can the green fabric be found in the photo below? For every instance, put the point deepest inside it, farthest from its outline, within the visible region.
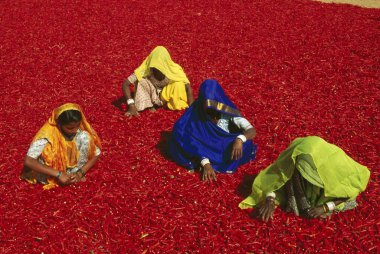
(340, 175)
(306, 167)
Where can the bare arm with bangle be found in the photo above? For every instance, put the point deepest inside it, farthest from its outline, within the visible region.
(132, 110)
(81, 173)
(318, 211)
(35, 165)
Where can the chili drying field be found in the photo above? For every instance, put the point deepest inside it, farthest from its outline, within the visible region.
(294, 68)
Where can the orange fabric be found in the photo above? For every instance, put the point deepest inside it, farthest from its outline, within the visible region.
(59, 153)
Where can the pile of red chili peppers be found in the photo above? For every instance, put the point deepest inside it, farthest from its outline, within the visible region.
(293, 67)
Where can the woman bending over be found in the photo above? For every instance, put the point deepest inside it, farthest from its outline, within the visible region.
(63, 150)
(158, 82)
(311, 178)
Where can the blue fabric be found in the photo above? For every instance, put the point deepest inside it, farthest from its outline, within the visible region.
(195, 136)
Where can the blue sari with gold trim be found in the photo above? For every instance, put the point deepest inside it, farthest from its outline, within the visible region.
(195, 136)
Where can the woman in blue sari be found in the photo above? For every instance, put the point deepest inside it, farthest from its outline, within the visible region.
(211, 134)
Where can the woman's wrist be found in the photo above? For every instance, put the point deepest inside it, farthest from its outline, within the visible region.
(242, 138)
(130, 101)
(330, 206)
(82, 172)
(58, 174)
(271, 196)
(324, 208)
(205, 161)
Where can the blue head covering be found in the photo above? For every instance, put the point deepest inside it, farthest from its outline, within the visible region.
(195, 136)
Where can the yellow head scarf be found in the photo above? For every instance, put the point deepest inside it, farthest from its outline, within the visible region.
(61, 154)
(160, 59)
(174, 94)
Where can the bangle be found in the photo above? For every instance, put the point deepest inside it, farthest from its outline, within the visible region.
(331, 206)
(205, 161)
(271, 194)
(58, 174)
(242, 138)
(130, 101)
(324, 208)
(80, 170)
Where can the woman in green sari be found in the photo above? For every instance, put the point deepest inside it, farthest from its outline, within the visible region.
(312, 178)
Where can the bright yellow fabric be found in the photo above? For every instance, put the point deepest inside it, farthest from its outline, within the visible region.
(342, 177)
(174, 94)
(60, 153)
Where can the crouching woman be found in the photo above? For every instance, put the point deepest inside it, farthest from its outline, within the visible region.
(212, 135)
(311, 178)
(63, 150)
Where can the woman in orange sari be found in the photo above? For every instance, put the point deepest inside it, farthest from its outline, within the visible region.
(63, 150)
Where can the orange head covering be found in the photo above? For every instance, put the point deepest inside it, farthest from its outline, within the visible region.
(56, 153)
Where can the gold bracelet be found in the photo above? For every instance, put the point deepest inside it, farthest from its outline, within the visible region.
(324, 208)
(81, 171)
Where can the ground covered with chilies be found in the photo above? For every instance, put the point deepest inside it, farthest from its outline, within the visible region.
(294, 68)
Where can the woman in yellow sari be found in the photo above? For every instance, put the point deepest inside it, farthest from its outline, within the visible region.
(311, 178)
(159, 82)
(63, 150)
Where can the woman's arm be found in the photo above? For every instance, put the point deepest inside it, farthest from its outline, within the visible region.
(83, 171)
(132, 110)
(208, 173)
(126, 90)
(250, 133)
(325, 208)
(266, 211)
(35, 165)
(189, 92)
(237, 147)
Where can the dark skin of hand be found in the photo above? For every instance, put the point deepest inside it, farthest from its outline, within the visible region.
(34, 164)
(64, 179)
(267, 210)
(318, 211)
(208, 173)
(237, 147)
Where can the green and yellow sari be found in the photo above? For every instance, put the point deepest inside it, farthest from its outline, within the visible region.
(309, 173)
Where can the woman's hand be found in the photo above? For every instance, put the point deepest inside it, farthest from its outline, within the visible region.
(237, 149)
(208, 173)
(79, 176)
(316, 212)
(132, 110)
(65, 179)
(267, 210)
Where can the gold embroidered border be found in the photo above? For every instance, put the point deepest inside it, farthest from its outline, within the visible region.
(222, 107)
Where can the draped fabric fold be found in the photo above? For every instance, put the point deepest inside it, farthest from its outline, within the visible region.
(194, 136)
